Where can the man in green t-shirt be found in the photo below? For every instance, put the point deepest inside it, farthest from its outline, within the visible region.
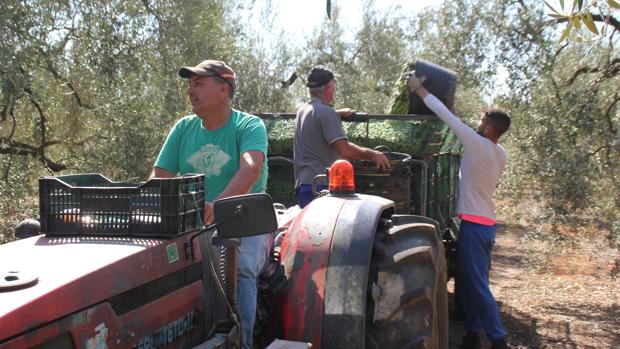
(230, 148)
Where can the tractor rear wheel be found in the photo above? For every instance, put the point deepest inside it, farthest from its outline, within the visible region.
(407, 303)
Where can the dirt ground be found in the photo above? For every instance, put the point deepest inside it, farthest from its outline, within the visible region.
(553, 294)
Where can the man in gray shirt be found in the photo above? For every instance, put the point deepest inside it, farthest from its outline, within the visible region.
(319, 137)
(481, 168)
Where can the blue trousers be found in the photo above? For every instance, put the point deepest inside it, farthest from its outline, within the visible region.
(304, 193)
(251, 259)
(475, 244)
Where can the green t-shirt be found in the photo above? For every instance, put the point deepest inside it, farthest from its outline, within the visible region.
(191, 148)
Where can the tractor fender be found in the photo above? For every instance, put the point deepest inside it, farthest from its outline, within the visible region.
(326, 255)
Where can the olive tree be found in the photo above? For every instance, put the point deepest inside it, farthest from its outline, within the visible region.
(93, 86)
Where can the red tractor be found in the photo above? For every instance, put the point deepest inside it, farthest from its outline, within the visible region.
(354, 275)
(361, 276)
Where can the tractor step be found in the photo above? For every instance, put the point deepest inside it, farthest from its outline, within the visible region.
(283, 344)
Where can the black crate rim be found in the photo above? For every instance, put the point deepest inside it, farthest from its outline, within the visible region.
(159, 208)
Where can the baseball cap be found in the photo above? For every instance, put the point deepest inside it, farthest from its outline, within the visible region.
(319, 76)
(211, 68)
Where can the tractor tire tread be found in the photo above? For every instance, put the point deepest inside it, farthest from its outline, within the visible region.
(407, 294)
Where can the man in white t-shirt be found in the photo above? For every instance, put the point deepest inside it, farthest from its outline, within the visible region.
(482, 166)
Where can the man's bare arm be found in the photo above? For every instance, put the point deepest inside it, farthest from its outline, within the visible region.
(352, 151)
(159, 172)
(346, 112)
(250, 166)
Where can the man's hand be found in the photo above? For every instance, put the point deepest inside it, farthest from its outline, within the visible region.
(382, 161)
(277, 247)
(346, 112)
(208, 213)
(414, 82)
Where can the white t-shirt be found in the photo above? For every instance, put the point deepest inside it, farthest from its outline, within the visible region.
(482, 164)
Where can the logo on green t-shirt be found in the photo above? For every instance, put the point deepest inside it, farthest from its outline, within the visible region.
(209, 159)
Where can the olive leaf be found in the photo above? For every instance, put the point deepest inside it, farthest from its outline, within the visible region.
(589, 22)
(329, 9)
(613, 4)
(551, 7)
(565, 33)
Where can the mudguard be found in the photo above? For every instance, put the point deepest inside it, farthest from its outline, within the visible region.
(326, 255)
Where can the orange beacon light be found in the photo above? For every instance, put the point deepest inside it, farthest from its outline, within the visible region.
(341, 178)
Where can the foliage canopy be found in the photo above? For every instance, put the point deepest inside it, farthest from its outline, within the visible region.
(93, 87)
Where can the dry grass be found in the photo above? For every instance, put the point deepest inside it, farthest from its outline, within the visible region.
(555, 293)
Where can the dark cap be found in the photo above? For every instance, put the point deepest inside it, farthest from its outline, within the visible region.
(210, 68)
(319, 76)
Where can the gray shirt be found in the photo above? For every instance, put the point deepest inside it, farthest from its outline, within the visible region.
(481, 167)
(317, 127)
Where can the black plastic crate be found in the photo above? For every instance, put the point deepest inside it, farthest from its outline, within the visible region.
(91, 204)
